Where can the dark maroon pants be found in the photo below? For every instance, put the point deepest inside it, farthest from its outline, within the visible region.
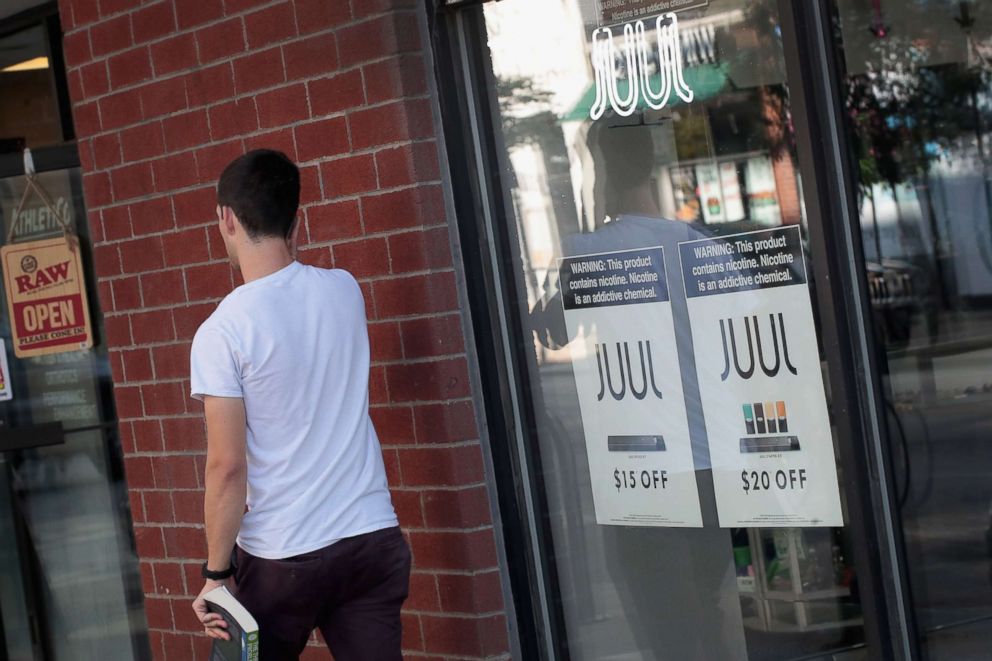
(351, 590)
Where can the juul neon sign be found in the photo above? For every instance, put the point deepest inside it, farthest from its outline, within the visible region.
(637, 55)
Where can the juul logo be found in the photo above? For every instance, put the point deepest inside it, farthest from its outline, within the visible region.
(625, 377)
(780, 354)
(639, 59)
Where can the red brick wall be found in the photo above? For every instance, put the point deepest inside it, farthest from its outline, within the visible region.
(165, 94)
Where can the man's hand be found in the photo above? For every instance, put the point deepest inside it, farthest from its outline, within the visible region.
(213, 623)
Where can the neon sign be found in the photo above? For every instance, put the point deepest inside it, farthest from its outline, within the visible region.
(637, 59)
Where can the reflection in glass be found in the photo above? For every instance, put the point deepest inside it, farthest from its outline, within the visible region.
(918, 94)
(723, 164)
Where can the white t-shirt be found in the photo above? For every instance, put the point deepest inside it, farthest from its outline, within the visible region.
(294, 345)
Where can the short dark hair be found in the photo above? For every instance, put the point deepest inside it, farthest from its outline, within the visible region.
(262, 187)
(628, 153)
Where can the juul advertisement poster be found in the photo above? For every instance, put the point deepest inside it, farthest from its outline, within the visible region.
(46, 297)
(630, 388)
(760, 380)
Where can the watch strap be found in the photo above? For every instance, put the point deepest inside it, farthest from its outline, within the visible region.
(216, 575)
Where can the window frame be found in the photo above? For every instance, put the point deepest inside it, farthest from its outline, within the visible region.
(50, 157)
(476, 165)
(465, 79)
(826, 164)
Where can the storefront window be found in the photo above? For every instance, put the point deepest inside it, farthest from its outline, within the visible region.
(29, 110)
(918, 95)
(69, 582)
(659, 236)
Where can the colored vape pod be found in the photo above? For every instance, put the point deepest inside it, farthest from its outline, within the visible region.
(770, 418)
(748, 418)
(759, 419)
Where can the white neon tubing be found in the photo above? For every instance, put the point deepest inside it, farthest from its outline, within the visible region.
(681, 88)
(625, 107)
(599, 67)
(658, 100)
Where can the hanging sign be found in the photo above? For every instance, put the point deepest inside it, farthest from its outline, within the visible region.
(35, 219)
(760, 380)
(46, 297)
(6, 388)
(618, 11)
(651, 58)
(629, 386)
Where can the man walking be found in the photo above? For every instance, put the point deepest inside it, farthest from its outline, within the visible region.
(282, 368)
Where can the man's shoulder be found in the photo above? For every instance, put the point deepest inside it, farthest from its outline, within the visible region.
(337, 276)
(337, 280)
(219, 320)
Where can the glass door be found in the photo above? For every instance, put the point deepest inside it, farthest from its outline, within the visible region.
(690, 483)
(70, 586)
(69, 579)
(917, 90)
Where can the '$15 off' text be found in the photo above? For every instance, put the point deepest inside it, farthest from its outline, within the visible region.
(643, 479)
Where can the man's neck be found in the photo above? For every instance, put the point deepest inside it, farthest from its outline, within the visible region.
(639, 202)
(264, 258)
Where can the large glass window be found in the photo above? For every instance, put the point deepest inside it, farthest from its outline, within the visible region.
(69, 580)
(602, 172)
(918, 95)
(70, 586)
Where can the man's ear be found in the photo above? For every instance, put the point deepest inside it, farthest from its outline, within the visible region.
(228, 222)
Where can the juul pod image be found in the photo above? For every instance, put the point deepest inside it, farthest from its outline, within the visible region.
(765, 424)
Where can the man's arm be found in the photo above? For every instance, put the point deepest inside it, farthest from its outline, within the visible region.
(226, 483)
(226, 477)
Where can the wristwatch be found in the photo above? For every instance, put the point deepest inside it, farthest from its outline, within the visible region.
(216, 575)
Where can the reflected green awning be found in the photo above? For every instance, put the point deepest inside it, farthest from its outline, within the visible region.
(705, 81)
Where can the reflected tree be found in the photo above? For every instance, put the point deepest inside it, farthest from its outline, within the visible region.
(907, 115)
(525, 110)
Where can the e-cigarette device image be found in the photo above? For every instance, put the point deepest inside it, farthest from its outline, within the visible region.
(770, 418)
(636, 443)
(769, 444)
(748, 418)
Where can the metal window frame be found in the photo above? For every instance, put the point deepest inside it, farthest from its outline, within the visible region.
(465, 81)
(46, 16)
(829, 177)
(455, 5)
(474, 147)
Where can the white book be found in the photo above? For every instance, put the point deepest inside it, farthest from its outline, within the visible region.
(241, 626)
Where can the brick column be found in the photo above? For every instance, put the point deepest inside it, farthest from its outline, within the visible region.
(164, 95)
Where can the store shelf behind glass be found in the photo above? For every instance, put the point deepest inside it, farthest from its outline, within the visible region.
(794, 610)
